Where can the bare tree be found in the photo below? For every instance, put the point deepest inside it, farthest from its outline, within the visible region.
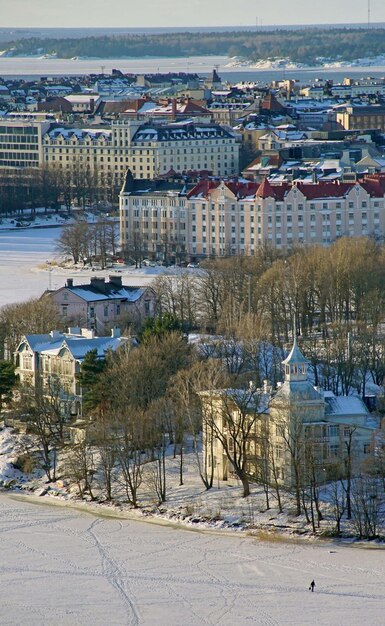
(130, 451)
(80, 466)
(233, 422)
(74, 241)
(43, 406)
(35, 316)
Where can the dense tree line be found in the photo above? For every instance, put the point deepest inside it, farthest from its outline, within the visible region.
(304, 45)
(52, 187)
(87, 243)
(335, 297)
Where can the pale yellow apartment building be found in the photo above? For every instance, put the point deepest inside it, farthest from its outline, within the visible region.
(226, 217)
(148, 150)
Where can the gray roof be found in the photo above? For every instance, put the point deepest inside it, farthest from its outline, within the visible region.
(301, 390)
(180, 132)
(344, 405)
(38, 343)
(106, 291)
(295, 355)
(79, 347)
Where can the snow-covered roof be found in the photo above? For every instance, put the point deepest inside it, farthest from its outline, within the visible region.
(79, 347)
(37, 343)
(91, 294)
(298, 391)
(295, 355)
(180, 132)
(80, 133)
(344, 405)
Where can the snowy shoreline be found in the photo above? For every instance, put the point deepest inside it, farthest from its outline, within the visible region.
(117, 511)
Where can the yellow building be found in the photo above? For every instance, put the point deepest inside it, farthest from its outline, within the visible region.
(362, 117)
(301, 426)
(148, 150)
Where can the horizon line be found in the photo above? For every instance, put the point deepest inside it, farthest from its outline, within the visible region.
(234, 26)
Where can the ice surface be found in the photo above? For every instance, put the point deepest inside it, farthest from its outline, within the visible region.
(21, 251)
(64, 566)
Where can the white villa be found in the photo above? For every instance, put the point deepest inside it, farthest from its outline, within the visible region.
(57, 357)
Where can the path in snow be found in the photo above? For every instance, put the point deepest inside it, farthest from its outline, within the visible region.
(62, 566)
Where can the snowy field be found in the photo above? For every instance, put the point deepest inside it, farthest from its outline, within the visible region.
(22, 251)
(64, 566)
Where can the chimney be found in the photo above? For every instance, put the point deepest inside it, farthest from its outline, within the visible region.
(55, 334)
(70, 282)
(116, 281)
(87, 333)
(74, 330)
(98, 284)
(173, 109)
(115, 332)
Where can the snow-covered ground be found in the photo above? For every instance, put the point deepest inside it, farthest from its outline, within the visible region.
(77, 562)
(65, 566)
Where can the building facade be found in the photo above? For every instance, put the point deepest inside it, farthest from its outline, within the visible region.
(102, 304)
(301, 426)
(21, 140)
(53, 360)
(227, 217)
(362, 117)
(148, 150)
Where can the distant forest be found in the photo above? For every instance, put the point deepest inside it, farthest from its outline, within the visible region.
(302, 46)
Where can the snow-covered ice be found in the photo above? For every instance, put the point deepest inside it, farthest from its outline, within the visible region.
(65, 566)
(22, 251)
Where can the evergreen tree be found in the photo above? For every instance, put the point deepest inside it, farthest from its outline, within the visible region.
(8, 380)
(159, 327)
(90, 378)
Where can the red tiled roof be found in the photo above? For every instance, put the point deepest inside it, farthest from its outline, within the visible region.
(374, 185)
(265, 190)
(203, 188)
(312, 191)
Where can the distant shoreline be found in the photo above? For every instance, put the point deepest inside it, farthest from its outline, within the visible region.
(31, 68)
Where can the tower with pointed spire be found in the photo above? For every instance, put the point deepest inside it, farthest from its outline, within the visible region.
(297, 388)
(296, 366)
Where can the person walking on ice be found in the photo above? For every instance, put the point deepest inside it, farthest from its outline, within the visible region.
(312, 585)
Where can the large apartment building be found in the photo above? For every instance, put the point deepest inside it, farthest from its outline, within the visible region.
(21, 140)
(362, 117)
(225, 217)
(148, 150)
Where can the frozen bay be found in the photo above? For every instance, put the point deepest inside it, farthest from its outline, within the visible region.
(65, 566)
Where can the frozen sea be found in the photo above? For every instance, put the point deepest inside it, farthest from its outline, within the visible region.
(23, 251)
(64, 566)
(20, 252)
(34, 67)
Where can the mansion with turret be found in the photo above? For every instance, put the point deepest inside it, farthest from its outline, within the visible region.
(297, 426)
